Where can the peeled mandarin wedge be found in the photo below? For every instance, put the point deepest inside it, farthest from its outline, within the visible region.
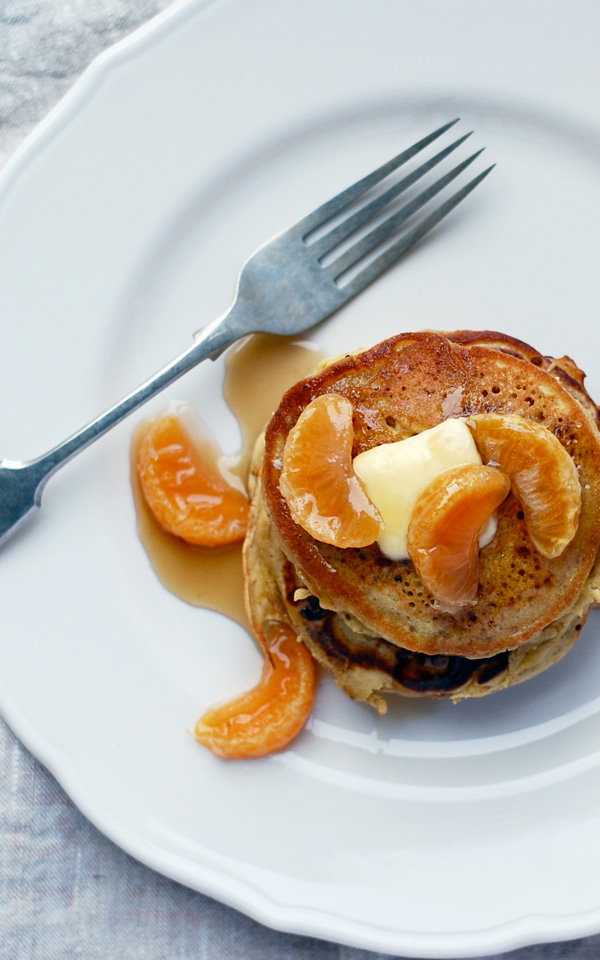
(322, 491)
(543, 476)
(267, 717)
(443, 534)
(188, 499)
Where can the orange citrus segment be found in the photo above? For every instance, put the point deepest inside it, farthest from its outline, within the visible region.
(322, 491)
(543, 476)
(268, 716)
(443, 534)
(187, 498)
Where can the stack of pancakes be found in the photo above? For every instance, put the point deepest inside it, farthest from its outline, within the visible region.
(369, 619)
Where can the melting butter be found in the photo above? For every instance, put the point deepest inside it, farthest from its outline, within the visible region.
(394, 476)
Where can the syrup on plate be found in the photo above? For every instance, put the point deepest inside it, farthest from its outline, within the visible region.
(258, 372)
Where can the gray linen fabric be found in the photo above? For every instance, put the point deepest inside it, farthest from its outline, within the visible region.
(65, 890)
(68, 893)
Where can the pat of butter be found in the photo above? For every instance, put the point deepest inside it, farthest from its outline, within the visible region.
(394, 475)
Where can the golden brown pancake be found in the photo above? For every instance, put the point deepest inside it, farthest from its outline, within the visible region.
(370, 619)
(365, 666)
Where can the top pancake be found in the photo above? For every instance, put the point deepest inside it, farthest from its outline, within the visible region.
(401, 387)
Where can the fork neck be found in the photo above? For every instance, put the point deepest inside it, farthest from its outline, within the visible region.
(208, 343)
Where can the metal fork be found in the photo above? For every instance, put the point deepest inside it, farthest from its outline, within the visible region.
(288, 285)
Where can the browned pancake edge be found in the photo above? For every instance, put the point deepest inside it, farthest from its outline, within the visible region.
(398, 388)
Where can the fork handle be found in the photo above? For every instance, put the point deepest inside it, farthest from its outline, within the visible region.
(209, 342)
(22, 483)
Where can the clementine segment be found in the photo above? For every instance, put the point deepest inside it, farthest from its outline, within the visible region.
(543, 476)
(322, 491)
(187, 498)
(267, 717)
(443, 534)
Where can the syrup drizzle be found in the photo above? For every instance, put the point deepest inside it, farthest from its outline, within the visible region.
(258, 372)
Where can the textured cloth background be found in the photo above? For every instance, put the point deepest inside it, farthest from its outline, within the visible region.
(65, 891)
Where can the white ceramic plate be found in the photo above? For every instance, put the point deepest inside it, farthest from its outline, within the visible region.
(436, 830)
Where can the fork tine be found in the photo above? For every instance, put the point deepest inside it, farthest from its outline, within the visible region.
(408, 240)
(331, 207)
(335, 236)
(376, 236)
